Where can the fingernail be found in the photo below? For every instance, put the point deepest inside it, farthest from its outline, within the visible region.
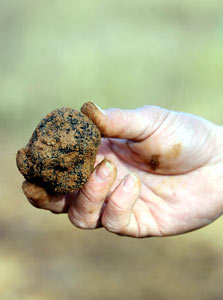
(104, 170)
(101, 110)
(130, 181)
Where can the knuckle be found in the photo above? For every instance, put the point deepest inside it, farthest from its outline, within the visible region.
(115, 204)
(87, 194)
(80, 224)
(75, 218)
(80, 221)
(92, 193)
(110, 226)
(91, 197)
(114, 226)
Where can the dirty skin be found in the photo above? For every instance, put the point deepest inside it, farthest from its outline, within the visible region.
(155, 160)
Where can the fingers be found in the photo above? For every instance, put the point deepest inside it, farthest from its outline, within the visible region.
(85, 210)
(39, 198)
(135, 124)
(117, 216)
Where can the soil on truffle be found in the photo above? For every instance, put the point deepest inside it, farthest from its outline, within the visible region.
(61, 153)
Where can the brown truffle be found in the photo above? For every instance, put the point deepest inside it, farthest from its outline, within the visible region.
(61, 153)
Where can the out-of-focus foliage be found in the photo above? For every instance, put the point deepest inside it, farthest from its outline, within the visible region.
(115, 53)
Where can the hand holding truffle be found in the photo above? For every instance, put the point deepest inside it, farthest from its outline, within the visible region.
(157, 172)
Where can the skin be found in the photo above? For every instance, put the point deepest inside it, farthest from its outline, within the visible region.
(158, 173)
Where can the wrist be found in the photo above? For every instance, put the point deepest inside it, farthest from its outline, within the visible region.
(216, 171)
(218, 131)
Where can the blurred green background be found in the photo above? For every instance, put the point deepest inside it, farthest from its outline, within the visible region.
(115, 53)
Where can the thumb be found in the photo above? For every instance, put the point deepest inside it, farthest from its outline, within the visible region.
(135, 124)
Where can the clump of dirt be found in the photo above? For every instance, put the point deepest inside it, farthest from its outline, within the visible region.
(61, 153)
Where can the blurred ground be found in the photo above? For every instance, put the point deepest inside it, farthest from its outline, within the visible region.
(116, 53)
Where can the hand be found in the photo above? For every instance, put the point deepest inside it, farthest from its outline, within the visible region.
(169, 174)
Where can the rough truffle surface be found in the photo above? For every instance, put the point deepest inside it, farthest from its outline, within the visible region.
(61, 153)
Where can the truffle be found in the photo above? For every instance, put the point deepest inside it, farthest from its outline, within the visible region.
(61, 153)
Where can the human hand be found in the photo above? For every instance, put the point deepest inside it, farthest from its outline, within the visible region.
(175, 172)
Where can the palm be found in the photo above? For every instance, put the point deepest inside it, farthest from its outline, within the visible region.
(174, 186)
